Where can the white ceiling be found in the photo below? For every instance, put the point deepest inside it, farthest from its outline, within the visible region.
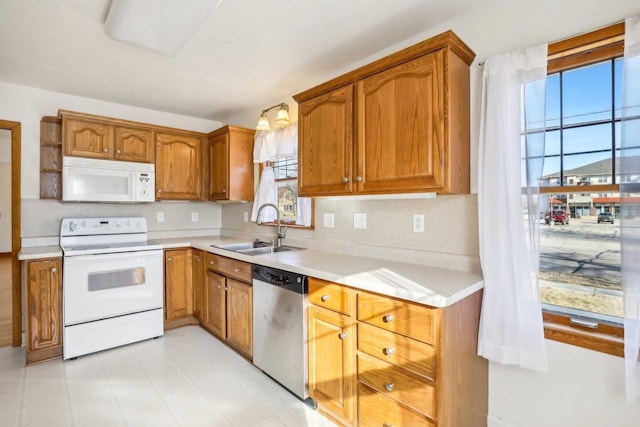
(248, 54)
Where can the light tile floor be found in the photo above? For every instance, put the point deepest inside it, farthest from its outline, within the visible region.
(186, 378)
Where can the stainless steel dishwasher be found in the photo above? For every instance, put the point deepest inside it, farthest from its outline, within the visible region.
(280, 328)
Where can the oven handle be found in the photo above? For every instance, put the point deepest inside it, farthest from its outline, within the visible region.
(78, 259)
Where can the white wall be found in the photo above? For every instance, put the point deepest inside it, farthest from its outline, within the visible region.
(42, 217)
(582, 387)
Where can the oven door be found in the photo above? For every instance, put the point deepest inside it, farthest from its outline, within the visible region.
(108, 285)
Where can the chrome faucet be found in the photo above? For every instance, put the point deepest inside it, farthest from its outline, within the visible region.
(280, 230)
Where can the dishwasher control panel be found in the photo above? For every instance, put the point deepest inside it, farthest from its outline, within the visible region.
(283, 279)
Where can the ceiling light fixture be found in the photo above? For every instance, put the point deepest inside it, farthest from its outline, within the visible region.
(163, 26)
(282, 118)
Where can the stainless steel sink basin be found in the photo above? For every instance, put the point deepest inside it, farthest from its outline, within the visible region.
(255, 248)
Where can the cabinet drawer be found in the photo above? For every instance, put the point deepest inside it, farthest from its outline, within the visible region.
(413, 390)
(401, 351)
(229, 267)
(377, 410)
(413, 320)
(330, 295)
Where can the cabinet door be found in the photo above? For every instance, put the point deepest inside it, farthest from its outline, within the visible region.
(332, 376)
(219, 167)
(44, 308)
(215, 305)
(134, 145)
(198, 284)
(178, 287)
(178, 167)
(240, 316)
(400, 116)
(85, 138)
(325, 143)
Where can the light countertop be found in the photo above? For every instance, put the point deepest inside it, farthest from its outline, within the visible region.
(436, 287)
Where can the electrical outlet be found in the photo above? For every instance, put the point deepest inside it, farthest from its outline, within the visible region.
(160, 216)
(327, 220)
(360, 220)
(418, 223)
(245, 216)
(194, 216)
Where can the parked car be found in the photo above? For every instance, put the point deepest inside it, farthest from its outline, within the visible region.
(605, 217)
(556, 217)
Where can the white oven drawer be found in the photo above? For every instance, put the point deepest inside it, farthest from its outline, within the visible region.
(108, 285)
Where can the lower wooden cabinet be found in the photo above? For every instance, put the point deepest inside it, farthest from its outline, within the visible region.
(43, 309)
(178, 284)
(382, 361)
(228, 302)
(332, 374)
(198, 283)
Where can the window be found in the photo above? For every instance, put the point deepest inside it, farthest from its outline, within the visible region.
(286, 175)
(580, 279)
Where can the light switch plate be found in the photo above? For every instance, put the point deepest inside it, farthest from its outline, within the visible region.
(328, 220)
(245, 216)
(418, 223)
(160, 216)
(360, 220)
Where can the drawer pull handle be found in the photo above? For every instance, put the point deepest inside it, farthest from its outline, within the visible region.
(212, 262)
(342, 335)
(387, 425)
(388, 351)
(389, 386)
(387, 318)
(324, 298)
(235, 270)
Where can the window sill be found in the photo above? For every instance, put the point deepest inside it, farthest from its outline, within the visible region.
(605, 339)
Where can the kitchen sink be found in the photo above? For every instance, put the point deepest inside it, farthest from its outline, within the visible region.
(255, 248)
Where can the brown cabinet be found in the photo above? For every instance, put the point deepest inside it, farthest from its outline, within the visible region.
(198, 283)
(178, 284)
(179, 166)
(332, 344)
(376, 360)
(397, 125)
(231, 164)
(228, 302)
(43, 309)
(103, 138)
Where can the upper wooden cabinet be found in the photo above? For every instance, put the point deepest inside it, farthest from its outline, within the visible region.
(179, 166)
(231, 164)
(397, 125)
(98, 137)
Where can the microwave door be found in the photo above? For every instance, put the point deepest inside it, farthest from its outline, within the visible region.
(97, 185)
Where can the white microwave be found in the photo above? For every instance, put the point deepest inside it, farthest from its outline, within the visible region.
(97, 180)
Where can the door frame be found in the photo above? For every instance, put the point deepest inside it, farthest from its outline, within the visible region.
(16, 133)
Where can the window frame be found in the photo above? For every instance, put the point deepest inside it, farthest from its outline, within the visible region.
(596, 46)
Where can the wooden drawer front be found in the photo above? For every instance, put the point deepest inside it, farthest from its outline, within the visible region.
(377, 410)
(413, 390)
(401, 351)
(330, 295)
(229, 267)
(413, 320)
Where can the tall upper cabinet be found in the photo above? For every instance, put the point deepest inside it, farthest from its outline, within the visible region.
(397, 125)
(179, 166)
(231, 164)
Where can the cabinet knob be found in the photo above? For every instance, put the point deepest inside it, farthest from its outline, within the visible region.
(388, 351)
(106, 150)
(345, 179)
(53, 270)
(388, 386)
(197, 259)
(387, 425)
(224, 191)
(169, 259)
(235, 270)
(342, 335)
(358, 178)
(118, 151)
(159, 190)
(324, 298)
(387, 318)
(219, 286)
(212, 262)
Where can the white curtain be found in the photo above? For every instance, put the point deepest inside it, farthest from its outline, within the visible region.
(509, 168)
(630, 203)
(270, 146)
